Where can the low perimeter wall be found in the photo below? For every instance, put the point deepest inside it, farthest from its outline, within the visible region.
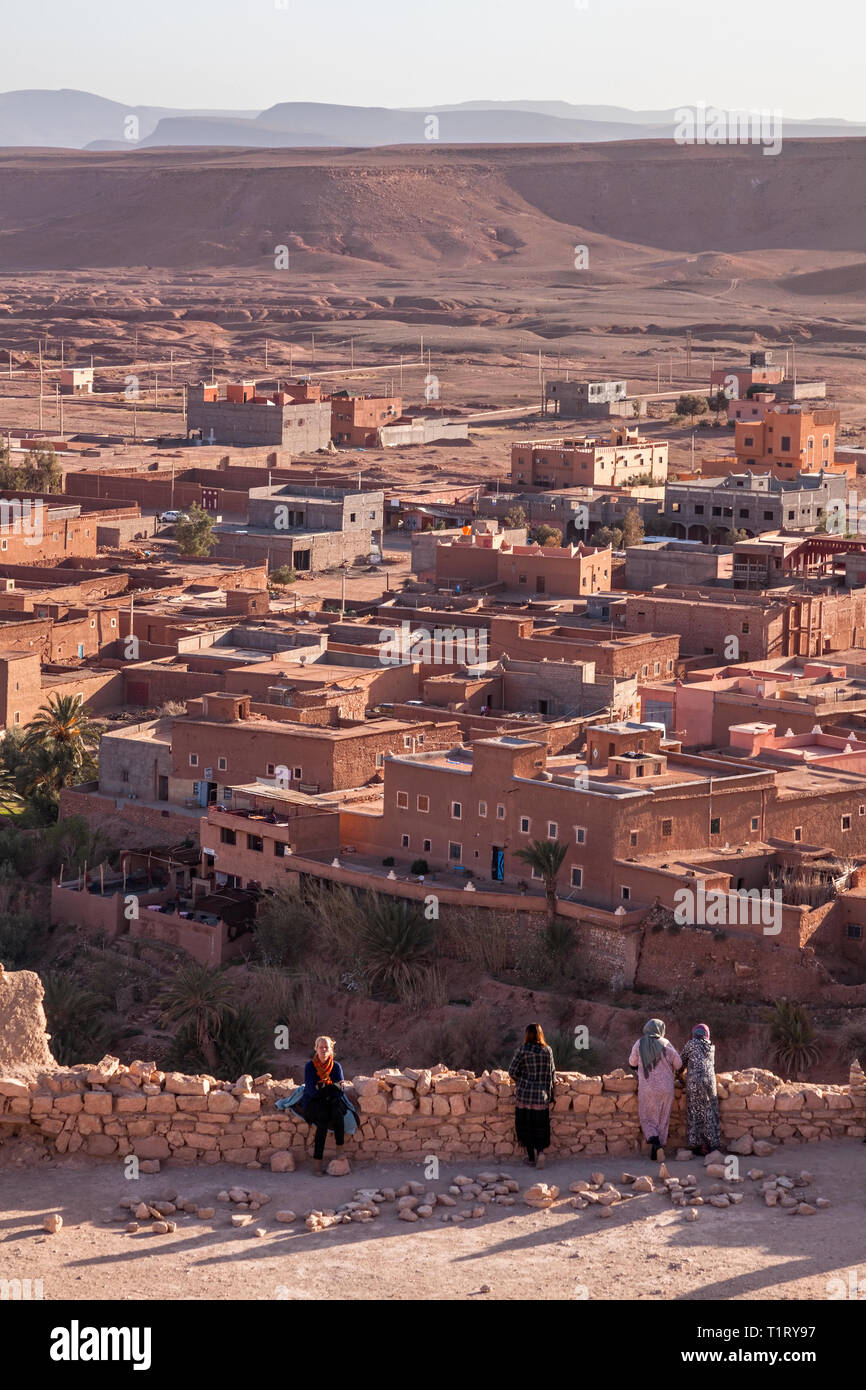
(113, 1110)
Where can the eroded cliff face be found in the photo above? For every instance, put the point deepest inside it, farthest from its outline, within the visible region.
(24, 1041)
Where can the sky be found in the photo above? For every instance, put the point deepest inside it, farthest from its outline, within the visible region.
(801, 58)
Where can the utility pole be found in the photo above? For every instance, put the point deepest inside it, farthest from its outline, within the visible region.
(291, 357)
(136, 346)
(156, 389)
(171, 366)
(659, 377)
(401, 375)
(670, 369)
(343, 595)
(10, 361)
(213, 358)
(40, 383)
(61, 352)
(352, 350)
(266, 354)
(688, 354)
(313, 350)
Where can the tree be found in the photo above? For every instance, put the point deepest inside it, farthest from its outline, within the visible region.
(545, 858)
(632, 528)
(198, 999)
(546, 535)
(691, 404)
(284, 574)
(732, 537)
(608, 535)
(396, 942)
(515, 518)
(793, 1039)
(194, 533)
(57, 747)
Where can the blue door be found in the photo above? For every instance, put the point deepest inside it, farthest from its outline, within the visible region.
(497, 864)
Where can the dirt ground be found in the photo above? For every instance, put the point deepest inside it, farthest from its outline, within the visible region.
(646, 1250)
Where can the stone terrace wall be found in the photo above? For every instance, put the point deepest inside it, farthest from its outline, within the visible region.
(111, 1110)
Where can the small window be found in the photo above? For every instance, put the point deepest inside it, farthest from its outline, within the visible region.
(798, 832)
(854, 932)
(255, 843)
(193, 759)
(577, 878)
(715, 825)
(380, 759)
(404, 841)
(279, 849)
(861, 810)
(299, 772)
(744, 628)
(846, 822)
(114, 622)
(455, 851)
(552, 830)
(17, 716)
(271, 770)
(524, 825)
(535, 874)
(222, 764)
(500, 812)
(407, 741)
(402, 801)
(456, 810)
(580, 835)
(422, 804)
(625, 893)
(667, 827)
(124, 776)
(632, 839)
(228, 837)
(482, 808)
(428, 845)
(754, 822)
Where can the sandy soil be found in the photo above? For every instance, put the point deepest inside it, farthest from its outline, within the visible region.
(646, 1250)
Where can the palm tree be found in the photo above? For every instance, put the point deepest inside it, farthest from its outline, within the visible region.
(198, 999)
(545, 858)
(396, 943)
(62, 731)
(793, 1038)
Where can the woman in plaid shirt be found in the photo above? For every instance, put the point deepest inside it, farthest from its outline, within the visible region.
(533, 1072)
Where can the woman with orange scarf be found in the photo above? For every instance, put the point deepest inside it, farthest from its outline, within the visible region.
(323, 1102)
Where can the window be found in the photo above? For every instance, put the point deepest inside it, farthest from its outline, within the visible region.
(798, 832)
(846, 822)
(222, 764)
(786, 443)
(17, 716)
(656, 668)
(124, 776)
(402, 801)
(407, 741)
(754, 822)
(228, 837)
(768, 516)
(577, 878)
(535, 874)
(351, 516)
(114, 622)
(644, 670)
(279, 849)
(422, 804)
(667, 827)
(625, 893)
(552, 830)
(861, 810)
(744, 627)
(500, 812)
(455, 851)
(579, 835)
(699, 509)
(380, 759)
(456, 810)
(854, 932)
(428, 845)
(404, 841)
(524, 825)
(632, 839)
(271, 769)
(193, 759)
(482, 808)
(299, 772)
(255, 842)
(715, 825)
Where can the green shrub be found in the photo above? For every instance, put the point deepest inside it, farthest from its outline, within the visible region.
(420, 867)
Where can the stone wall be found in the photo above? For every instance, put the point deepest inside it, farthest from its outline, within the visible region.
(111, 1110)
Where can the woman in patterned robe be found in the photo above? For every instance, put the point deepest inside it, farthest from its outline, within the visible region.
(656, 1062)
(702, 1104)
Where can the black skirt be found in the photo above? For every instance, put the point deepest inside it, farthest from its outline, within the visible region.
(532, 1128)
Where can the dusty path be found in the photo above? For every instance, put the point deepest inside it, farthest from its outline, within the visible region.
(646, 1250)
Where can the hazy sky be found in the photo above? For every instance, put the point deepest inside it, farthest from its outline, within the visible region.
(801, 57)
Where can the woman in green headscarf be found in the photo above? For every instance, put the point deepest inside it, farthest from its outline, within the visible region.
(657, 1064)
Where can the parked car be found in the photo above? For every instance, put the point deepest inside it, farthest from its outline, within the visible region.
(172, 516)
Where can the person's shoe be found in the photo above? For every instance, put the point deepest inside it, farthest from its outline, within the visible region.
(318, 1167)
(654, 1147)
(530, 1162)
(541, 1161)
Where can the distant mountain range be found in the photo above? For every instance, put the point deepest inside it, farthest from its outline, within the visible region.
(68, 119)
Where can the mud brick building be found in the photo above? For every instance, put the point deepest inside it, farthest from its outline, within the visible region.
(357, 420)
(484, 561)
(584, 462)
(244, 417)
